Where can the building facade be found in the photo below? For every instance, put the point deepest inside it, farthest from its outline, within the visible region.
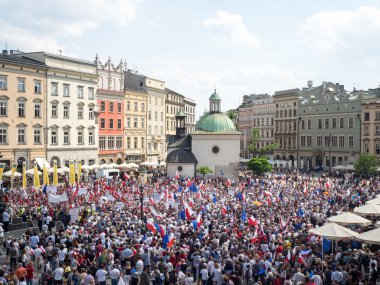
(370, 118)
(70, 109)
(174, 103)
(22, 112)
(256, 122)
(329, 126)
(189, 111)
(136, 108)
(286, 126)
(110, 105)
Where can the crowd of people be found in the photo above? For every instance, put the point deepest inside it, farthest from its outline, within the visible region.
(174, 230)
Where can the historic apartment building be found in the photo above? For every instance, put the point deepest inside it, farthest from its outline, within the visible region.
(70, 109)
(110, 106)
(136, 108)
(329, 126)
(286, 126)
(370, 119)
(256, 120)
(22, 112)
(190, 114)
(174, 103)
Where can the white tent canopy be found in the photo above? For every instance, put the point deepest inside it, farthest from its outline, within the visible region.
(339, 167)
(349, 219)
(333, 231)
(133, 165)
(371, 237)
(59, 171)
(374, 201)
(9, 174)
(65, 169)
(31, 172)
(368, 210)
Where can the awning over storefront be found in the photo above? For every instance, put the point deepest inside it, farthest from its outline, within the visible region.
(41, 161)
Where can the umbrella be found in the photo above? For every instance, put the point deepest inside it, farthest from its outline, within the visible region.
(103, 166)
(124, 165)
(162, 163)
(31, 172)
(94, 166)
(349, 219)
(147, 163)
(133, 165)
(374, 201)
(339, 167)
(113, 165)
(85, 167)
(377, 225)
(368, 210)
(9, 174)
(59, 171)
(371, 237)
(350, 167)
(333, 231)
(65, 169)
(257, 203)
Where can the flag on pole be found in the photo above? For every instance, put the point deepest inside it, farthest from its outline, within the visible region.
(71, 173)
(79, 171)
(45, 176)
(2, 165)
(14, 167)
(55, 174)
(24, 175)
(36, 178)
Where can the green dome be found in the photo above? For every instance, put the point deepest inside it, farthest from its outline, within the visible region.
(215, 122)
(215, 96)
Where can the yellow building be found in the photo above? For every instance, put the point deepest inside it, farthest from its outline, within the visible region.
(135, 125)
(22, 111)
(174, 103)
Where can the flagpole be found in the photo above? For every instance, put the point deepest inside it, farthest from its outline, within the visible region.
(322, 257)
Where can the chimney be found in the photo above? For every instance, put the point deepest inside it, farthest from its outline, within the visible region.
(5, 52)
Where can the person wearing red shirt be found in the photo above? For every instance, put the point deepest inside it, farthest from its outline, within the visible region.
(29, 273)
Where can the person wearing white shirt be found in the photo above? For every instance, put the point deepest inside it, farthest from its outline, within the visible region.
(204, 275)
(114, 275)
(101, 275)
(58, 275)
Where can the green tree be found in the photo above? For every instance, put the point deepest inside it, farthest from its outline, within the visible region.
(204, 170)
(259, 165)
(232, 115)
(366, 164)
(268, 149)
(255, 137)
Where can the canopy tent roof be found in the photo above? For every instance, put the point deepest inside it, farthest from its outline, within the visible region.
(333, 231)
(349, 219)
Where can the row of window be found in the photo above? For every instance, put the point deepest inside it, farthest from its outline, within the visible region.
(66, 111)
(21, 84)
(367, 116)
(366, 131)
(119, 107)
(21, 109)
(66, 89)
(67, 137)
(327, 141)
(286, 113)
(173, 109)
(110, 143)
(21, 135)
(286, 143)
(154, 131)
(328, 123)
(110, 123)
(155, 147)
(366, 147)
(157, 101)
(155, 116)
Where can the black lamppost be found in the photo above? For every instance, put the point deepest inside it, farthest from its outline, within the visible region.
(298, 146)
(141, 188)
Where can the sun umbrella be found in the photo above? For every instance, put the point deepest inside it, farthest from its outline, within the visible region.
(65, 169)
(146, 163)
(368, 210)
(162, 163)
(339, 167)
(333, 231)
(31, 172)
(9, 174)
(349, 219)
(350, 167)
(104, 166)
(133, 165)
(124, 165)
(113, 165)
(371, 237)
(374, 201)
(94, 166)
(257, 203)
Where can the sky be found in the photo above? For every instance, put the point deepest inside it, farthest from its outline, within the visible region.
(238, 47)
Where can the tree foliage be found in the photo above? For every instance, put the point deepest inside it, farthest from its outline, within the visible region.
(259, 165)
(366, 164)
(233, 116)
(204, 170)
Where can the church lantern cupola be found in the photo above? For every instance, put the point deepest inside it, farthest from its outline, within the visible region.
(215, 102)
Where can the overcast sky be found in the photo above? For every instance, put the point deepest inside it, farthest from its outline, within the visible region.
(239, 47)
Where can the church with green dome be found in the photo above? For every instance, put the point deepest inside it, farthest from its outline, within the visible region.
(215, 143)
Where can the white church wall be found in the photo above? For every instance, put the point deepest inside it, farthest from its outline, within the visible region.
(187, 169)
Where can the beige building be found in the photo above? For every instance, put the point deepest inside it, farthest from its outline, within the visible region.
(174, 103)
(256, 117)
(22, 112)
(135, 125)
(370, 122)
(286, 126)
(190, 114)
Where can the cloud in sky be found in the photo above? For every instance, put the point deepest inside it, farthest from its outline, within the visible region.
(52, 22)
(335, 30)
(230, 30)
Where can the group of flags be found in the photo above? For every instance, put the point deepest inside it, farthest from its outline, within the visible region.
(167, 236)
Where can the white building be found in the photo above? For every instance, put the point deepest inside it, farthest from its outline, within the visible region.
(215, 143)
(70, 97)
(190, 114)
